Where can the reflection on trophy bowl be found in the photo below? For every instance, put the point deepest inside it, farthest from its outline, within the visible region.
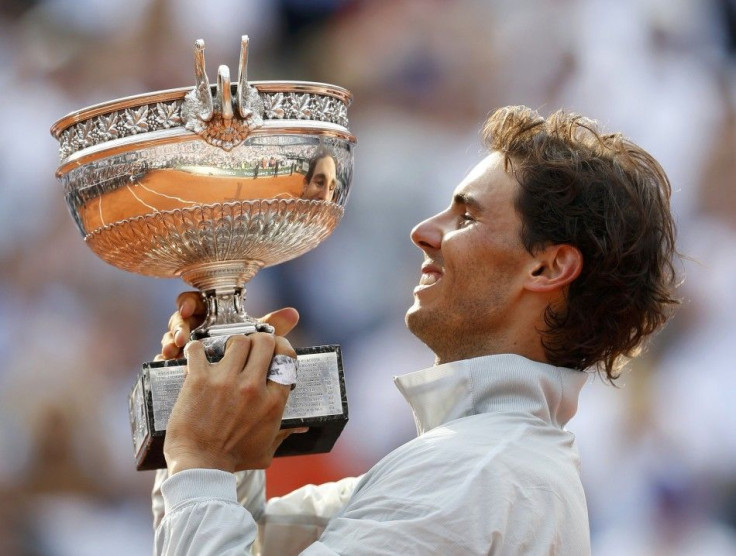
(211, 184)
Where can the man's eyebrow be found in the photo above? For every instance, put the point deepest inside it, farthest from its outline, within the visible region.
(466, 200)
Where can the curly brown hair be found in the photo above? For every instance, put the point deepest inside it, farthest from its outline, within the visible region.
(608, 198)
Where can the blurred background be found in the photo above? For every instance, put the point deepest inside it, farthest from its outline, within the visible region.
(659, 452)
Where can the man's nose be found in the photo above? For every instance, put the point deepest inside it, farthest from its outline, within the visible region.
(428, 234)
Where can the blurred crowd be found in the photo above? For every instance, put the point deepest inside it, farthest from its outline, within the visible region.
(658, 452)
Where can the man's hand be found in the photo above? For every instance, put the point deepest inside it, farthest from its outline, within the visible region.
(228, 414)
(191, 313)
(206, 428)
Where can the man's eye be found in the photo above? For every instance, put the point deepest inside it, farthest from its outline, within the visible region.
(466, 218)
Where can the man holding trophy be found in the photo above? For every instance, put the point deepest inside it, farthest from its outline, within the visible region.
(554, 256)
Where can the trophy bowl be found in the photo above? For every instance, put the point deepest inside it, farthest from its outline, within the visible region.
(211, 183)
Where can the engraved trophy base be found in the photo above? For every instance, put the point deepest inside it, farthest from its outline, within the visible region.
(318, 401)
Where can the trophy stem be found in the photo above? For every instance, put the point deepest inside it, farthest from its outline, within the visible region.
(222, 276)
(223, 286)
(226, 316)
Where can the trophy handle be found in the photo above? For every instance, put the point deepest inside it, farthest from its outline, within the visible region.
(224, 94)
(250, 104)
(202, 92)
(243, 87)
(214, 119)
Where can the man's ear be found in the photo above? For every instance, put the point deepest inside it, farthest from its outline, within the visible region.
(554, 268)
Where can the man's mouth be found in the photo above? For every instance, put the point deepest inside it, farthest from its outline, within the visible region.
(431, 274)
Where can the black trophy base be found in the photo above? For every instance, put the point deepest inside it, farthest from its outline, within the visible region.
(318, 401)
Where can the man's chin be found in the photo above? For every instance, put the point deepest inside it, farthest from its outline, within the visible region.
(416, 321)
(427, 328)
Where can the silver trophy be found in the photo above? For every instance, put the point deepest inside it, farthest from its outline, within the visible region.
(211, 184)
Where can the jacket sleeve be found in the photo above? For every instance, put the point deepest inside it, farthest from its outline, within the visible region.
(293, 522)
(199, 511)
(250, 492)
(202, 516)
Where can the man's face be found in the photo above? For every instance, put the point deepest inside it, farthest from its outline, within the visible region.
(321, 186)
(474, 265)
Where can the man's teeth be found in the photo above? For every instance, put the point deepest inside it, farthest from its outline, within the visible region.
(427, 279)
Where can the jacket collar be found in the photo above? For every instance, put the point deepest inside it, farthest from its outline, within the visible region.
(490, 384)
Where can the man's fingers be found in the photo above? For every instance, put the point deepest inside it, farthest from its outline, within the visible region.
(283, 434)
(281, 393)
(257, 367)
(181, 335)
(283, 347)
(283, 368)
(178, 329)
(190, 314)
(283, 320)
(170, 351)
(237, 351)
(191, 304)
(167, 339)
(262, 345)
(196, 358)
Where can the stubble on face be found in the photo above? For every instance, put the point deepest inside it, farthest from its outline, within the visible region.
(453, 336)
(474, 258)
(470, 319)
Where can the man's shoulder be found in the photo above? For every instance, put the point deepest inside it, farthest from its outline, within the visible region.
(454, 467)
(461, 474)
(487, 453)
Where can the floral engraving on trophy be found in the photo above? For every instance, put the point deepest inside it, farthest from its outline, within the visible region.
(273, 106)
(299, 106)
(137, 120)
(168, 115)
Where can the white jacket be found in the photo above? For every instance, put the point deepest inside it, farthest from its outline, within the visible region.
(492, 472)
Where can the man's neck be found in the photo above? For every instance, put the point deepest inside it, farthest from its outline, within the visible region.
(532, 351)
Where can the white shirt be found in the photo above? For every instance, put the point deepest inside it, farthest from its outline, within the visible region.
(492, 472)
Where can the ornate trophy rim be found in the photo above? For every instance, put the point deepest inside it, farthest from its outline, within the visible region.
(272, 107)
(224, 114)
(168, 95)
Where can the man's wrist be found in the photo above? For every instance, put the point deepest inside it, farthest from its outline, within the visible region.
(204, 460)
